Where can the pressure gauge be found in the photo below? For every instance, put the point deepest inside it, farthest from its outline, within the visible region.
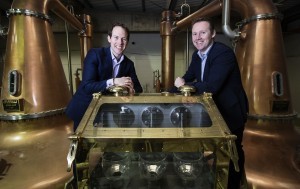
(180, 117)
(152, 117)
(124, 117)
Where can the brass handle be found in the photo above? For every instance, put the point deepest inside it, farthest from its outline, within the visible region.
(186, 90)
(117, 90)
(72, 154)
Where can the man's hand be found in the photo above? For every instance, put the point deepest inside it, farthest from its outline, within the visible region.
(179, 82)
(123, 81)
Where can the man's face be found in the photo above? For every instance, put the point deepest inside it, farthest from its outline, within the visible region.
(202, 36)
(118, 41)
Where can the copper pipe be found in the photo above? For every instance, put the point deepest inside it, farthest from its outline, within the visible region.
(60, 10)
(86, 37)
(212, 9)
(168, 50)
(169, 64)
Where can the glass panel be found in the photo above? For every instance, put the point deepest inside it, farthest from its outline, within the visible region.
(130, 170)
(152, 115)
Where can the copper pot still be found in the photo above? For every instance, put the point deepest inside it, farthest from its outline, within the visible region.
(33, 128)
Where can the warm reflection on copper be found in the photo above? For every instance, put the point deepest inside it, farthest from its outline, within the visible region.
(269, 182)
(271, 148)
(33, 153)
(260, 133)
(49, 183)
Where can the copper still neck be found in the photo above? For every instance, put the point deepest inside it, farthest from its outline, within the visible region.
(34, 82)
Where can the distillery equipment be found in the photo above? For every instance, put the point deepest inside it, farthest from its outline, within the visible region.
(152, 140)
(270, 127)
(35, 92)
(260, 25)
(33, 128)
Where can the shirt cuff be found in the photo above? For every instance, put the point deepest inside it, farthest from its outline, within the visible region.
(109, 83)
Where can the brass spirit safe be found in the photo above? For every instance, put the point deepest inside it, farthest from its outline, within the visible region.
(150, 140)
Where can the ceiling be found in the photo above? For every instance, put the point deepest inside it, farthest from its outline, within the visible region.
(157, 6)
(289, 8)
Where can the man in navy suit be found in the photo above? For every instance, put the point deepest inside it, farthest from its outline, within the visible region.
(104, 67)
(214, 69)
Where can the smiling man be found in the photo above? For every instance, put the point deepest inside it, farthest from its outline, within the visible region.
(214, 69)
(102, 68)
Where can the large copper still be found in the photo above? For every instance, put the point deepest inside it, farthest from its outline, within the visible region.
(260, 53)
(33, 129)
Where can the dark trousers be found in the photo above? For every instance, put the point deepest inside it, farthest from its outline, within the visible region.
(234, 178)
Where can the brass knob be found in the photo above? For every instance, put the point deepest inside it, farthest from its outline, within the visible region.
(166, 94)
(186, 90)
(117, 90)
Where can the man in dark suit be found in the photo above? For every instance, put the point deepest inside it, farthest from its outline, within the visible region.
(104, 67)
(214, 69)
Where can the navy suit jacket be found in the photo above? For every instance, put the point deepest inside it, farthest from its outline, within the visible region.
(97, 69)
(222, 78)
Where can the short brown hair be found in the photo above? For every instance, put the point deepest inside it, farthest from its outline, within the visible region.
(121, 25)
(204, 19)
